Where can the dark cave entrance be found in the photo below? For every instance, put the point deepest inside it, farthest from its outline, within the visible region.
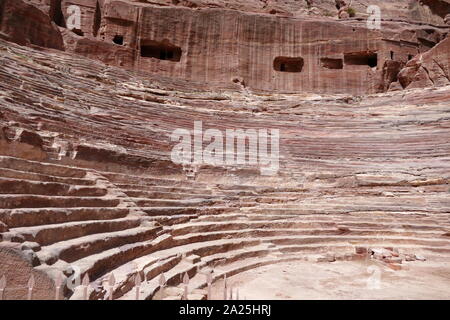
(56, 13)
(118, 39)
(97, 19)
(161, 51)
(288, 64)
(361, 58)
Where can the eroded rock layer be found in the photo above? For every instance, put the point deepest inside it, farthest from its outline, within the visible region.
(88, 185)
(87, 181)
(265, 46)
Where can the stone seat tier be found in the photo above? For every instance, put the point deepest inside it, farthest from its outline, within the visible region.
(149, 181)
(180, 240)
(75, 249)
(16, 218)
(143, 202)
(255, 199)
(48, 234)
(235, 268)
(303, 209)
(125, 276)
(282, 237)
(174, 276)
(437, 219)
(340, 225)
(122, 256)
(15, 201)
(222, 265)
(258, 189)
(172, 219)
(380, 203)
(366, 240)
(15, 186)
(41, 167)
(358, 234)
(153, 264)
(345, 241)
(229, 225)
(178, 267)
(236, 261)
(145, 188)
(32, 176)
(166, 211)
(173, 249)
(167, 195)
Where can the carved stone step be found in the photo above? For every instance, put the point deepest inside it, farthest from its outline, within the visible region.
(33, 201)
(14, 186)
(43, 216)
(78, 248)
(48, 234)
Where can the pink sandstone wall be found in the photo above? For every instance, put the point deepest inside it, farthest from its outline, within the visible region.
(219, 46)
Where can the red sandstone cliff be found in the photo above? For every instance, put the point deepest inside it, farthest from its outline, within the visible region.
(26, 25)
(300, 46)
(431, 68)
(86, 178)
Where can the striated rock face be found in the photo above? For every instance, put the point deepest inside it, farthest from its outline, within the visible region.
(431, 68)
(271, 46)
(104, 51)
(438, 8)
(87, 183)
(17, 266)
(26, 25)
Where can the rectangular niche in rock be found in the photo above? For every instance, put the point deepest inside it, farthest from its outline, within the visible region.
(364, 58)
(118, 39)
(330, 63)
(160, 50)
(288, 64)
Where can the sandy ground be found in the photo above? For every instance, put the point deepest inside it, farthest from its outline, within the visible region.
(342, 280)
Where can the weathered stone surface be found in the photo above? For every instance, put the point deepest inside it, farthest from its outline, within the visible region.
(26, 25)
(89, 47)
(17, 269)
(86, 177)
(103, 204)
(447, 19)
(395, 86)
(433, 11)
(431, 68)
(390, 72)
(3, 227)
(176, 40)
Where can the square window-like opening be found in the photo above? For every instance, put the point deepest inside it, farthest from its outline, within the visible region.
(118, 40)
(361, 58)
(288, 64)
(161, 51)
